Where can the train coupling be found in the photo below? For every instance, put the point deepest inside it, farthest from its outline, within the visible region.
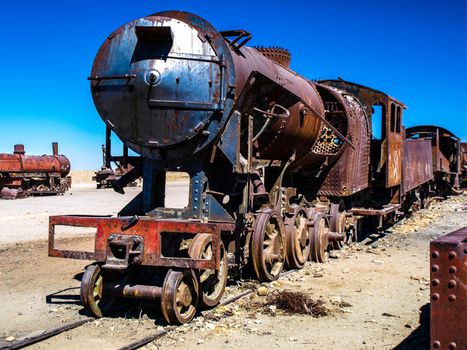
(123, 250)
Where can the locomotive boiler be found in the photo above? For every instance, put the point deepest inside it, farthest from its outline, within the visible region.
(22, 174)
(281, 168)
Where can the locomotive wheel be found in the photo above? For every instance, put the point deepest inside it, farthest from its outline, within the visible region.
(179, 296)
(268, 246)
(298, 240)
(92, 295)
(212, 282)
(320, 239)
(337, 224)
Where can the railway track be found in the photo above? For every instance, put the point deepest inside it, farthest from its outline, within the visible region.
(46, 334)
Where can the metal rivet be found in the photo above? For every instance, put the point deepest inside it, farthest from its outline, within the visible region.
(452, 269)
(435, 268)
(452, 345)
(452, 297)
(452, 284)
(435, 254)
(452, 255)
(435, 282)
(195, 208)
(435, 296)
(436, 344)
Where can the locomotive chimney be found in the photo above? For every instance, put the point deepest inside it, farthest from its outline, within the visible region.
(18, 149)
(55, 148)
(277, 54)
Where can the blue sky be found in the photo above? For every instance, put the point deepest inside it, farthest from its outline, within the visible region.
(414, 50)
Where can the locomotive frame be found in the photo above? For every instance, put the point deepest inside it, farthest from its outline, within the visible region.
(281, 169)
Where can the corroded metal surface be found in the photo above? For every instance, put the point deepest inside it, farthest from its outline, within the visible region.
(448, 265)
(416, 163)
(350, 173)
(150, 232)
(446, 150)
(277, 54)
(34, 174)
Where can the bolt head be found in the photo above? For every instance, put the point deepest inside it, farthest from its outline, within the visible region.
(452, 297)
(452, 284)
(452, 269)
(435, 296)
(436, 344)
(435, 254)
(435, 268)
(452, 255)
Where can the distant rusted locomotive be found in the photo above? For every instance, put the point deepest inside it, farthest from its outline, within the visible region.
(22, 175)
(446, 154)
(281, 168)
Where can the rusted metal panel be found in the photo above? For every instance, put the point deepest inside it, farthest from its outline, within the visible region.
(446, 149)
(350, 173)
(388, 209)
(394, 160)
(390, 147)
(35, 174)
(416, 163)
(150, 230)
(448, 324)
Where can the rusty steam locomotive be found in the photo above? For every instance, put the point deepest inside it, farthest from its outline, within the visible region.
(22, 175)
(282, 169)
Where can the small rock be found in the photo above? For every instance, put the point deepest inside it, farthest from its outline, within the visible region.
(334, 255)
(262, 291)
(335, 300)
(379, 262)
(10, 338)
(374, 245)
(292, 339)
(258, 321)
(200, 341)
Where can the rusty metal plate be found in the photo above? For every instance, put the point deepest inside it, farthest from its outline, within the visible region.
(416, 163)
(148, 229)
(448, 324)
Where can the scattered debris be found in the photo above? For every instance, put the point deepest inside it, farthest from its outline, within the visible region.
(294, 302)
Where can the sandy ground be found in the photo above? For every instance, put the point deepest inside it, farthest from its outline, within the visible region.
(376, 292)
(27, 219)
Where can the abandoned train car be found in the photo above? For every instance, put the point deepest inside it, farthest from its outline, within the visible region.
(281, 168)
(22, 175)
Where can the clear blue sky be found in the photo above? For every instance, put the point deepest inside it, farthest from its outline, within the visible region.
(414, 50)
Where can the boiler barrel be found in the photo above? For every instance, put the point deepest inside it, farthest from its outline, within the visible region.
(17, 163)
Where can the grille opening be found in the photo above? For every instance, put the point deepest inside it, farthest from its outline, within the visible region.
(75, 238)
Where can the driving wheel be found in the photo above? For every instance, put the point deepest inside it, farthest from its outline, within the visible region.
(212, 282)
(297, 235)
(179, 296)
(268, 246)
